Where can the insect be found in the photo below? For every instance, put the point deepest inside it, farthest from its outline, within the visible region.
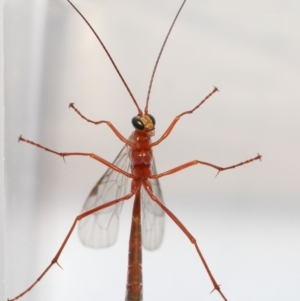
(98, 222)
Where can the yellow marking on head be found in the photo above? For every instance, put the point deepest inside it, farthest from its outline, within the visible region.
(147, 122)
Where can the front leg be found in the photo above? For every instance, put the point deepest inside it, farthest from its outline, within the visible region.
(171, 126)
(117, 133)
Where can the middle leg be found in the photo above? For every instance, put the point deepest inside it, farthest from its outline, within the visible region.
(195, 162)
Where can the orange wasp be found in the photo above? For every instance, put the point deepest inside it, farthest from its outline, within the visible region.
(99, 220)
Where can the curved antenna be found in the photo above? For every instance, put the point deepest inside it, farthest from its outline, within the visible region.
(109, 56)
(159, 55)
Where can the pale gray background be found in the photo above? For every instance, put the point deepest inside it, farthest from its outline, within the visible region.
(246, 220)
(2, 199)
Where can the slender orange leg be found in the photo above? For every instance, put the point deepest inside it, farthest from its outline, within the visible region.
(117, 133)
(191, 163)
(192, 239)
(163, 137)
(77, 219)
(171, 126)
(91, 155)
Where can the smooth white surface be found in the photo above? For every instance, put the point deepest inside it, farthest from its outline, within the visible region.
(247, 221)
(2, 199)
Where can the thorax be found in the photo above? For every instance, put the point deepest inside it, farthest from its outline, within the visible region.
(141, 156)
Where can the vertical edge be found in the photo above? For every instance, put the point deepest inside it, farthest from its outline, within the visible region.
(2, 185)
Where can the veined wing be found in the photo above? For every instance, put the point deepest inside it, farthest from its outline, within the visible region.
(152, 215)
(100, 229)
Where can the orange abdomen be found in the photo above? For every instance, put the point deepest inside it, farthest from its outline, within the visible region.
(134, 287)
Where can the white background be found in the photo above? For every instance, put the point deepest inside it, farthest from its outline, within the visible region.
(246, 221)
(2, 204)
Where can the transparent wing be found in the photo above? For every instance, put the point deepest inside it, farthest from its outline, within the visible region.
(100, 229)
(152, 216)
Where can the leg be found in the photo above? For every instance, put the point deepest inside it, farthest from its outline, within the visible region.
(77, 219)
(170, 128)
(189, 164)
(91, 155)
(117, 133)
(187, 233)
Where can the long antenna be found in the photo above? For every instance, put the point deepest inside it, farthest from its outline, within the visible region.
(159, 55)
(109, 56)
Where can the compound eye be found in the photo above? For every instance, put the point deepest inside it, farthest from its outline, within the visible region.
(137, 123)
(152, 119)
